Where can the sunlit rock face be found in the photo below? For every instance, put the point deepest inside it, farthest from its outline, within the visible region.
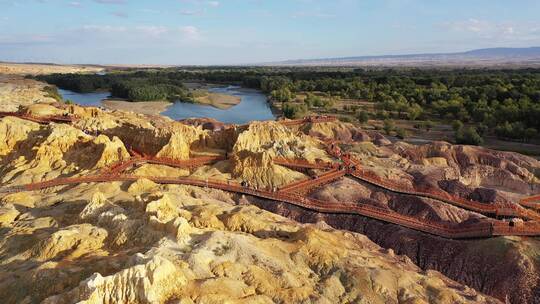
(155, 244)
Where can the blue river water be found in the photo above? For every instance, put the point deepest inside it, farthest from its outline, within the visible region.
(253, 105)
(84, 99)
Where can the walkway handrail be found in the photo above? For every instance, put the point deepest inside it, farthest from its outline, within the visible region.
(486, 229)
(292, 193)
(307, 184)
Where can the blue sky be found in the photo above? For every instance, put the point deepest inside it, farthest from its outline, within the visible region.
(251, 31)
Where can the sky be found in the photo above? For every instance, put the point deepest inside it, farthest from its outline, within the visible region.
(213, 32)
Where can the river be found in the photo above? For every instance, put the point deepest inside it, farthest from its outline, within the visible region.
(253, 105)
(84, 99)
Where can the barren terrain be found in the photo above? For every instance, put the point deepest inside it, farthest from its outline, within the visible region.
(37, 69)
(138, 239)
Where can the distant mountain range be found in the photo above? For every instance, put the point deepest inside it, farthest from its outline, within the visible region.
(480, 57)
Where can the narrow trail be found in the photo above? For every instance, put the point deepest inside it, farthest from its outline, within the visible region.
(296, 193)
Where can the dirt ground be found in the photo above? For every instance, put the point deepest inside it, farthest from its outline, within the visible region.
(38, 69)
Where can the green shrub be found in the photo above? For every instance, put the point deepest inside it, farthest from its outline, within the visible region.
(468, 136)
(414, 112)
(313, 100)
(52, 92)
(515, 131)
(293, 111)
(388, 126)
(382, 115)
(282, 95)
(429, 125)
(401, 133)
(456, 125)
(345, 119)
(362, 116)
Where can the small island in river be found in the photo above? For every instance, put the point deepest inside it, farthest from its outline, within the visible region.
(217, 100)
(143, 107)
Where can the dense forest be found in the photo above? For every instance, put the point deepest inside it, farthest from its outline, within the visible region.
(506, 102)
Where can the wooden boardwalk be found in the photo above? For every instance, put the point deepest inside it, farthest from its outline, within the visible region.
(296, 193)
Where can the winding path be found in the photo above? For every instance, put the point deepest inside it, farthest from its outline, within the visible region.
(296, 192)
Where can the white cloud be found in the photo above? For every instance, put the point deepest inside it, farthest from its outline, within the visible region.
(213, 3)
(149, 11)
(313, 14)
(103, 28)
(495, 31)
(191, 12)
(26, 39)
(152, 30)
(75, 4)
(509, 30)
(471, 25)
(110, 1)
(119, 14)
(190, 32)
(121, 34)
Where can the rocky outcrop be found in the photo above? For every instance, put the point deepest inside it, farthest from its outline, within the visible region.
(186, 245)
(44, 152)
(257, 169)
(18, 91)
(260, 143)
(475, 263)
(142, 242)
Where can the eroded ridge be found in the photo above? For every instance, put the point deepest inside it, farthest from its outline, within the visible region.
(66, 118)
(296, 193)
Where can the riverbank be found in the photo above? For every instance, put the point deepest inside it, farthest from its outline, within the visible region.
(142, 107)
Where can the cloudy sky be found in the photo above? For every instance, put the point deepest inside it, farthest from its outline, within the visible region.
(250, 31)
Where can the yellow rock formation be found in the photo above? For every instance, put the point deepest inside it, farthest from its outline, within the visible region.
(141, 242)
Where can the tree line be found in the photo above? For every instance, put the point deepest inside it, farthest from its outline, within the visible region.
(139, 86)
(503, 102)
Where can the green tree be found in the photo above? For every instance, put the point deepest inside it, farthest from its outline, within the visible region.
(401, 133)
(468, 136)
(456, 125)
(429, 125)
(415, 111)
(295, 110)
(388, 126)
(313, 100)
(282, 95)
(362, 116)
(530, 133)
